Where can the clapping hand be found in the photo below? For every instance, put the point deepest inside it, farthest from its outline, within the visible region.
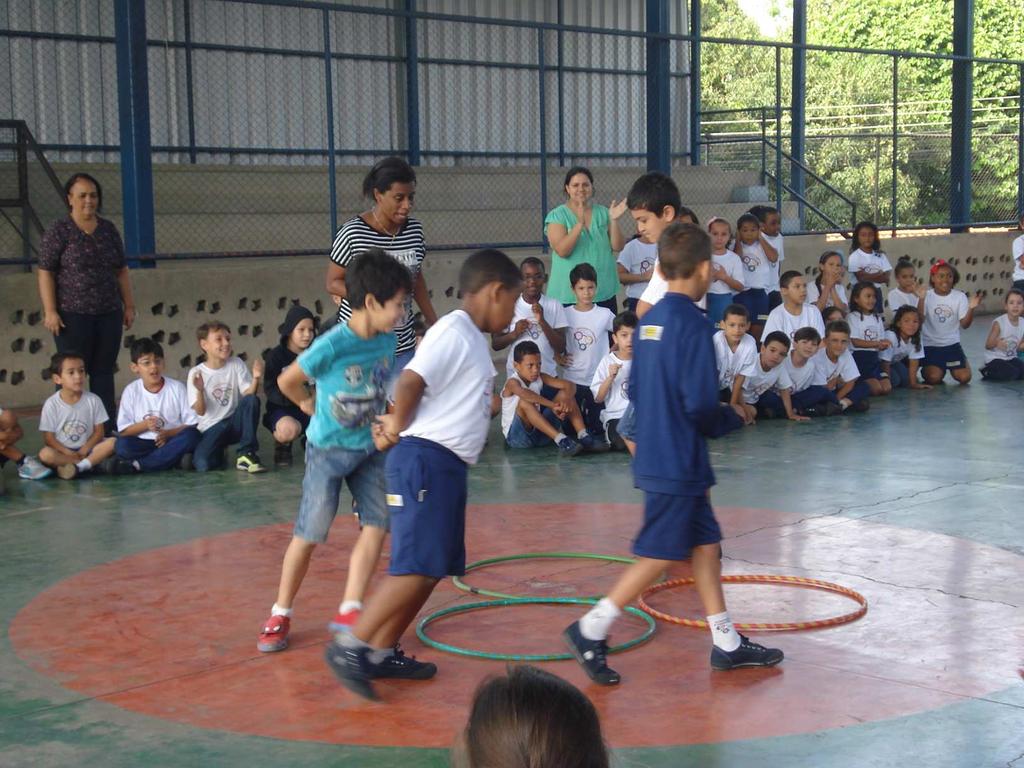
(257, 368)
(197, 381)
(975, 300)
(538, 312)
(617, 209)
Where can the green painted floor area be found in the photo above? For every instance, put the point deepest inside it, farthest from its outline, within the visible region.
(947, 461)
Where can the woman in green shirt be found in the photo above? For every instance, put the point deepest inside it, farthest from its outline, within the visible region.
(582, 231)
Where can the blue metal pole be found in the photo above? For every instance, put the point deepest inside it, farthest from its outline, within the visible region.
(895, 138)
(659, 125)
(542, 109)
(798, 113)
(695, 84)
(1020, 143)
(412, 85)
(960, 145)
(561, 83)
(133, 121)
(187, 8)
(778, 129)
(332, 182)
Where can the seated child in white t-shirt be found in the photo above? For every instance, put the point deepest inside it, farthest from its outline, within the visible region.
(610, 384)
(836, 370)
(29, 467)
(636, 266)
(809, 398)
(766, 390)
(903, 357)
(946, 311)
(532, 418)
(794, 312)
(538, 318)
(735, 353)
(156, 428)
(867, 335)
(826, 290)
(906, 289)
(72, 421)
(1005, 342)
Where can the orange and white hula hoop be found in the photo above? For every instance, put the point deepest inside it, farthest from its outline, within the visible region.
(785, 626)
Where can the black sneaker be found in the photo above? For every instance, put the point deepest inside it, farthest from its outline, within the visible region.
(833, 409)
(402, 667)
(282, 454)
(861, 407)
(591, 654)
(185, 462)
(569, 447)
(811, 411)
(749, 654)
(352, 667)
(118, 466)
(594, 444)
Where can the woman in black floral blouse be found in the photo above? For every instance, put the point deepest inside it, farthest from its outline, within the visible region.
(85, 287)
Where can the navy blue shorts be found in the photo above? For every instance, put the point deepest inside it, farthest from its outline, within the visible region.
(756, 302)
(867, 363)
(949, 358)
(275, 413)
(674, 525)
(426, 497)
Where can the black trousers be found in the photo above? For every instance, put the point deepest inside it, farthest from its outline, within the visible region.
(97, 338)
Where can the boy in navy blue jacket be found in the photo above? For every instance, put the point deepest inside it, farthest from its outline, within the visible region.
(675, 387)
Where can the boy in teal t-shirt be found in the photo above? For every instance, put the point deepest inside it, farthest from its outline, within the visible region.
(349, 366)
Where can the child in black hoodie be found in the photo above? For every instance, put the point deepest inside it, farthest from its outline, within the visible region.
(283, 418)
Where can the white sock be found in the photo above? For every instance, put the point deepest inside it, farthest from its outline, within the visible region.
(138, 467)
(723, 633)
(377, 656)
(350, 605)
(581, 434)
(277, 610)
(348, 640)
(84, 465)
(846, 403)
(560, 437)
(599, 619)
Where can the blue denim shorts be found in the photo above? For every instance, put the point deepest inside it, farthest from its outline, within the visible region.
(326, 470)
(522, 436)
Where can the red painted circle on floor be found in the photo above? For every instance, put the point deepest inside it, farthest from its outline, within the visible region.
(171, 632)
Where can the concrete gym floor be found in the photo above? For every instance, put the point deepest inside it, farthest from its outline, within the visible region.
(131, 606)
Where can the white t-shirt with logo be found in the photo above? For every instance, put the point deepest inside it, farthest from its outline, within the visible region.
(586, 342)
(72, 425)
(1017, 249)
(814, 293)
(1009, 339)
(825, 368)
(780, 319)
(637, 257)
(454, 361)
(617, 399)
(170, 406)
(900, 349)
(658, 287)
(898, 298)
(757, 268)
(760, 381)
(873, 263)
(510, 403)
(744, 361)
(775, 268)
(866, 327)
(801, 377)
(554, 315)
(942, 316)
(733, 267)
(222, 388)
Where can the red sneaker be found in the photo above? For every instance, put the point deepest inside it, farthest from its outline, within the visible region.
(343, 622)
(274, 635)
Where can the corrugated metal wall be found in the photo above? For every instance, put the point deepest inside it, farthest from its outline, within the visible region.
(268, 91)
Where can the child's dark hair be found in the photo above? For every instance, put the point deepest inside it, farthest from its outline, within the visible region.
(682, 211)
(532, 261)
(384, 173)
(654, 192)
(205, 329)
(146, 346)
(779, 336)
(681, 248)
(374, 273)
(821, 263)
(576, 170)
(763, 211)
(876, 244)
(903, 264)
(489, 266)
(855, 303)
(738, 310)
(58, 360)
(837, 326)
(807, 333)
(76, 177)
(529, 718)
(939, 265)
(1014, 292)
(832, 311)
(524, 348)
(625, 319)
(582, 272)
(747, 218)
(902, 312)
(787, 277)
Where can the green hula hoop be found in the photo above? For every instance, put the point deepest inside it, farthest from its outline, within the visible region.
(428, 620)
(458, 582)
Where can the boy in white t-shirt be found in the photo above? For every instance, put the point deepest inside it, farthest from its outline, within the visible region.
(735, 354)
(29, 467)
(836, 370)
(610, 384)
(156, 428)
(766, 390)
(794, 312)
(636, 266)
(72, 421)
(586, 344)
(537, 317)
(771, 224)
(809, 399)
(222, 392)
(441, 416)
